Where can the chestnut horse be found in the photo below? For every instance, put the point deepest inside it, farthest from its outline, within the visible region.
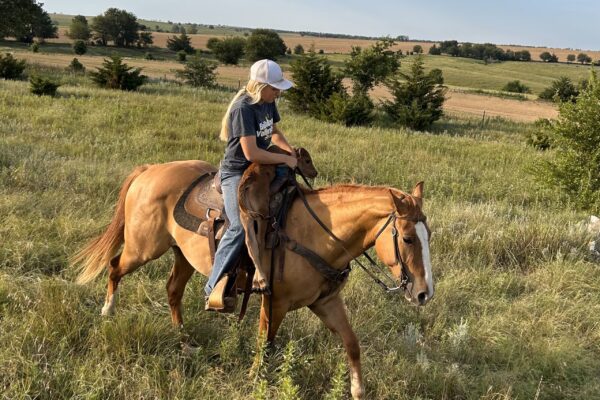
(361, 216)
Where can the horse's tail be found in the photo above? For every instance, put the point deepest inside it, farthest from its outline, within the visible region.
(100, 250)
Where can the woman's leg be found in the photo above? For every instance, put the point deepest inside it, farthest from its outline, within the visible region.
(233, 239)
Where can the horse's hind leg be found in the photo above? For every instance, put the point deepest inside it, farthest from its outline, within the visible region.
(333, 314)
(126, 262)
(180, 275)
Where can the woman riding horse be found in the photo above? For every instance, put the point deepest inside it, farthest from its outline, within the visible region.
(249, 127)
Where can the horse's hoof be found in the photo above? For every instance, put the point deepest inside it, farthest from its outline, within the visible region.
(262, 290)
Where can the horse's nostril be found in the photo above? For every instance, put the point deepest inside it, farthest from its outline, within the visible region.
(422, 298)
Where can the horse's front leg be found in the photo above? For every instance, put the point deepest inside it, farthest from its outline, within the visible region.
(333, 314)
(268, 327)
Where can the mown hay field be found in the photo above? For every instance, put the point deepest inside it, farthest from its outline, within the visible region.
(516, 312)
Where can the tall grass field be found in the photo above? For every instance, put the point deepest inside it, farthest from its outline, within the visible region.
(516, 314)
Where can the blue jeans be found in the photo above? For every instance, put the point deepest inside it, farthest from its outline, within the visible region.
(233, 240)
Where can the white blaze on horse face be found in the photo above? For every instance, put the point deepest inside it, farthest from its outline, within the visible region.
(424, 238)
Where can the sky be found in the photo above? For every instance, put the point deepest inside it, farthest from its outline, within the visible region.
(552, 23)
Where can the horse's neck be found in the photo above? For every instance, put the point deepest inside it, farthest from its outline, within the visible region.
(353, 213)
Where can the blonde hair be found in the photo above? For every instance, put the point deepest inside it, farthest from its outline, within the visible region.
(253, 90)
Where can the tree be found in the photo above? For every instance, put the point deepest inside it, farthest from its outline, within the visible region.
(264, 43)
(417, 49)
(229, 50)
(299, 49)
(561, 90)
(314, 83)
(24, 20)
(547, 57)
(146, 39)
(435, 51)
(523, 55)
(114, 74)
(118, 26)
(571, 58)
(417, 97)
(181, 42)
(369, 67)
(575, 167)
(79, 28)
(584, 58)
(198, 73)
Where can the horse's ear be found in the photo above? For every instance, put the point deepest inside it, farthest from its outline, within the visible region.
(398, 201)
(417, 193)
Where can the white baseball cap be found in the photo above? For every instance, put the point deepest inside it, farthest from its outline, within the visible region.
(269, 72)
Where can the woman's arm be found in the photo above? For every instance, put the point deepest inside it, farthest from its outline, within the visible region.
(255, 154)
(280, 141)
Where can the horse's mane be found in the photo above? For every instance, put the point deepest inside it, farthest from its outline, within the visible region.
(350, 188)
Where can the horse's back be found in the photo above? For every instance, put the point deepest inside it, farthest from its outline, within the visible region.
(168, 179)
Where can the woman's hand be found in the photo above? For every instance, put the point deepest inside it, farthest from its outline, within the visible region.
(291, 162)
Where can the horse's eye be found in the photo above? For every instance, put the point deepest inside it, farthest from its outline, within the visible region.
(408, 240)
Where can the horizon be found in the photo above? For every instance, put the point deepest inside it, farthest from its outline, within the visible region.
(483, 23)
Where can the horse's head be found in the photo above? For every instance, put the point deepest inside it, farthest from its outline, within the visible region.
(403, 245)
(305, 163)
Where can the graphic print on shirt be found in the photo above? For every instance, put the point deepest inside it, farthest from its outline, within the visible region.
(265, 128)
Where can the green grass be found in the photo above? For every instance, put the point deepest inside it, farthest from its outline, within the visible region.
(517, 307)
(475, 74)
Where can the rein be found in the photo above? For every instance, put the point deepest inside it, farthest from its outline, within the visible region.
(404, 280)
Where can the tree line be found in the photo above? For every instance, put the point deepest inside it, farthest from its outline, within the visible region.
(486, 51)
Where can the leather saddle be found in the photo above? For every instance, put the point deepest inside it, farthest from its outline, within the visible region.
(200, 209)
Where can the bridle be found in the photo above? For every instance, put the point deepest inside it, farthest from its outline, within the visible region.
(405, 277)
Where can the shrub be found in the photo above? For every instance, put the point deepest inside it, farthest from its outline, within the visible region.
(35, 47)
(10, 67)
(575, 169)
(417, 97)
(148, 56)
(79, 47)
(198, 72)
(417, 49)
(314, 83)
(114, 74)
(349, 110)
(561, 90)
(42, 86)
(299, 49)
(75, 66)
(539, 136)
(516, 87)
(181, 56)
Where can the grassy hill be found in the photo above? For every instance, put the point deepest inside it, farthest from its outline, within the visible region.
(516, 313)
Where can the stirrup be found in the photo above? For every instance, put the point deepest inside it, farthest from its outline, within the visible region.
(217, 301)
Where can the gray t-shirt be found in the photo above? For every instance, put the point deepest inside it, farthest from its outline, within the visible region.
(247, 119)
